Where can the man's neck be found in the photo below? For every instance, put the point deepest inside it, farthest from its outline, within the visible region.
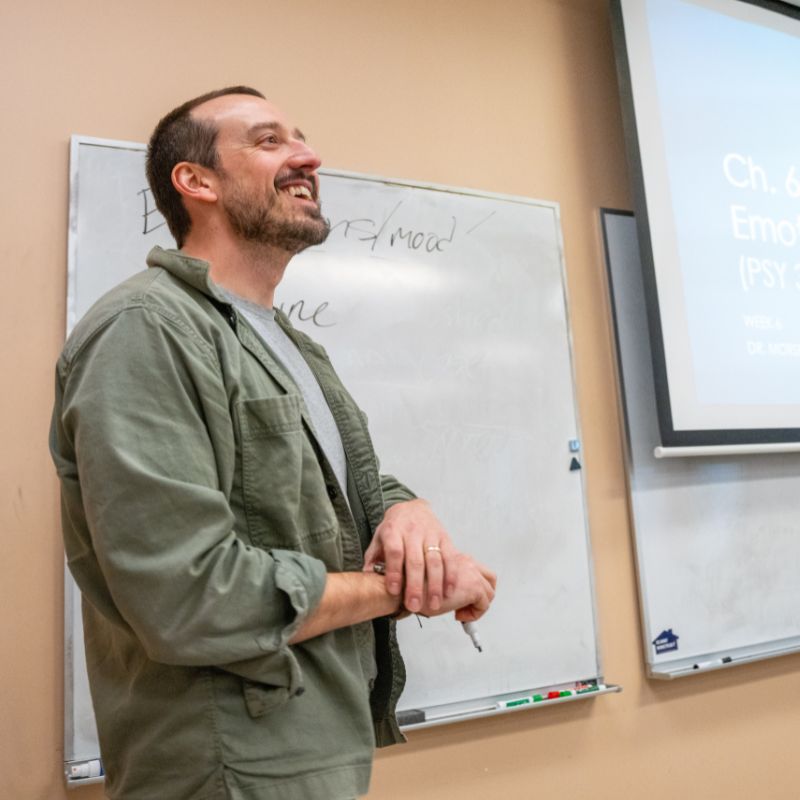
(249, 270)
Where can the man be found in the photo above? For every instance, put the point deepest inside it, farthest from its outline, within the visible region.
(222, 510)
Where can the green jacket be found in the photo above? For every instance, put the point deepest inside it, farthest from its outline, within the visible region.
(200, 517)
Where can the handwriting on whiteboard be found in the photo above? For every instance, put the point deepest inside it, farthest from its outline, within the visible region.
(151, 216)
(379, 231)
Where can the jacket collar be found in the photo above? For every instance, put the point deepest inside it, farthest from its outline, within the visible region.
(194, 271)
(190, 270)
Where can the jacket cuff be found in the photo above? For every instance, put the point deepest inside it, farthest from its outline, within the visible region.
(270, 680)
(302, 579)
(387, 732)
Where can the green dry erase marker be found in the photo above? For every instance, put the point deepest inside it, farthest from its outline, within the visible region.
(522, 701)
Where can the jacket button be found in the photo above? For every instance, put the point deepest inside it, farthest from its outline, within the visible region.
(332, 491)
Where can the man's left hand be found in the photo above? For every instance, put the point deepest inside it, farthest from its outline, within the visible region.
(411, 541)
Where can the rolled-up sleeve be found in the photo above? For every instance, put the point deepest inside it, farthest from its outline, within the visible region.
(143, 441)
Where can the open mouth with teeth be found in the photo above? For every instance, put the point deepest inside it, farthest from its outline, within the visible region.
(299, 191)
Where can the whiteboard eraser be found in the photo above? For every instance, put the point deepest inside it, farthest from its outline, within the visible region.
(411, 717)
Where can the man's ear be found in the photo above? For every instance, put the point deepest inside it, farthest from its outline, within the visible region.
(194, 182)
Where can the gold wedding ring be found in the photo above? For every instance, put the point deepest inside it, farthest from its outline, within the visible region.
(433, 548)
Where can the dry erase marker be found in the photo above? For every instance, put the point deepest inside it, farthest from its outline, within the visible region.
(718, 662)
(521, 701)
(472, 632)
(88, 769)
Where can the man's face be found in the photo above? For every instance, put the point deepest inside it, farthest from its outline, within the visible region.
(268, 182)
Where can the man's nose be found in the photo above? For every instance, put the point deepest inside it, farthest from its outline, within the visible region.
(304, 157)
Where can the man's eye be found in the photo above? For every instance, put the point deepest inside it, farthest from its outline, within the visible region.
(271, 139)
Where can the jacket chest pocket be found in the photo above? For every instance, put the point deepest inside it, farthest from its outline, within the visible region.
(285, 496)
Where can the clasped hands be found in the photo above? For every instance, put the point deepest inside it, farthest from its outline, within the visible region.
(422, 565)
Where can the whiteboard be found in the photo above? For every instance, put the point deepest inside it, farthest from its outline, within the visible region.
(717, 538)
(444, 312)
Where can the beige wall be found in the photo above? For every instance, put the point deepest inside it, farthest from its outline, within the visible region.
(514, 96)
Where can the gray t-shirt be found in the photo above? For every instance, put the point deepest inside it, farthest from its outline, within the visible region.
(262, 320)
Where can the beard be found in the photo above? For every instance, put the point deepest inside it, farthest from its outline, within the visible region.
(264, 221)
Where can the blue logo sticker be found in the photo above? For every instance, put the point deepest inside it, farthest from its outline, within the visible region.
(665, 641)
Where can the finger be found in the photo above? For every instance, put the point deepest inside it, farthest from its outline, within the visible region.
(481, 605)
(482, 599)
(488, 574)
(415, 574)
(434, 573)
(470, 613)
(394, 571)
(450, 568)
(373, 554)
(394, 555)
(386, 548)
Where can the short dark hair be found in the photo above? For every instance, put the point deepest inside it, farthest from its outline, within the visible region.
(179, 137)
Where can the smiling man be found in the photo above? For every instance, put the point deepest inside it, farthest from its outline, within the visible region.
(221, 504)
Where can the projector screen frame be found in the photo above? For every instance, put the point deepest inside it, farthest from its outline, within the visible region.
(670, 436)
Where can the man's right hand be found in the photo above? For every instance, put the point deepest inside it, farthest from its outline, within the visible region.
(472, 594)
